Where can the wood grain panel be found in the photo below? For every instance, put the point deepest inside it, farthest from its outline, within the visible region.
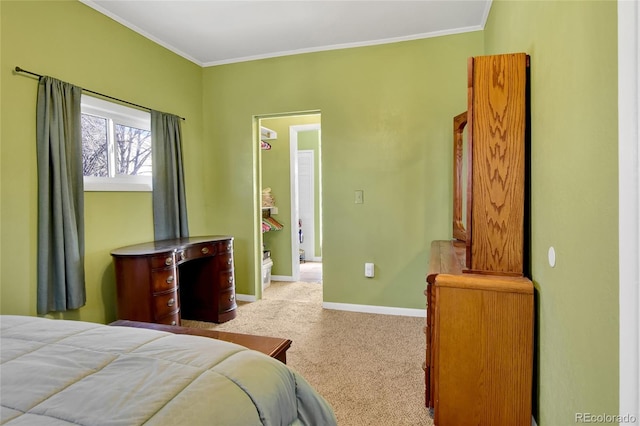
(483, 358)
(457, 360)
(498, 162)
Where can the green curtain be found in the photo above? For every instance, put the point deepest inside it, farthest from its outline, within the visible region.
(169, 200)
(61, 282)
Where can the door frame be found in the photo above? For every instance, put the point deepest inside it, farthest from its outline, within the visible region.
(629, 206)
(312, 234)
(295, 214)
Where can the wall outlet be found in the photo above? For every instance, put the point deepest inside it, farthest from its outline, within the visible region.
(359, 196)
(369, 270)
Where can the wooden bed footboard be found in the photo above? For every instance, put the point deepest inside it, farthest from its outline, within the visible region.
(273, 346)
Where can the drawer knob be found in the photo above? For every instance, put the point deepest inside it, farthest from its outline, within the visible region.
(173, 322)
(170, 279)
(168, 261)
(205, 250)
(231, 279)
(229, 262)
(232, 298)
(171, 302)
(182, 256)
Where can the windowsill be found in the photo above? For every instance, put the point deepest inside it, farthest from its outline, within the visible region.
(128, 184)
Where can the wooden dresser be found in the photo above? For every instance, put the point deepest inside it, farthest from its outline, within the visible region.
(479, 343)
(164, 281)
(480, 306)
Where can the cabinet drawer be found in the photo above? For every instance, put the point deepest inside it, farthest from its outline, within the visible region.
(201, 250)
(227, 300)
(224, 246)
(224, 261)
(163, 260)
(172, 319)
(164, 279)
(227, 280)
(165, 304)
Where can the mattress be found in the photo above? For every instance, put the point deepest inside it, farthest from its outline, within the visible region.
(62, 372)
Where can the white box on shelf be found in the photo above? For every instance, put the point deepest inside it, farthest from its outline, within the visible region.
(267, 264)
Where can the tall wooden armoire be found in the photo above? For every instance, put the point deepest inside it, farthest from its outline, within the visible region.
(480, 306)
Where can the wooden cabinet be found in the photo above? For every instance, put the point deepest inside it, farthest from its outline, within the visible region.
(496, 118)
(479, 358)
(164, 281)
(480, 306)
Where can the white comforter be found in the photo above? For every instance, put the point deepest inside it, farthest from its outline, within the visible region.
(57, 372)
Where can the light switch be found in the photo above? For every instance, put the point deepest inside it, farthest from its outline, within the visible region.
(359, 196)
(369, 270)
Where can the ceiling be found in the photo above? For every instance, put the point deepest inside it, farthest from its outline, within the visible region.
(215, 32)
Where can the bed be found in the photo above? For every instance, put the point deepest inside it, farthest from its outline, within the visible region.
(61, 372)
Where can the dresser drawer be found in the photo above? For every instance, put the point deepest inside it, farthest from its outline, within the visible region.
(163, 260)
(226, 280)
(224, 246)
(224, 261)
(227, 300)
(165, 304)
(201, 250)
(171, 319)
(163, 280)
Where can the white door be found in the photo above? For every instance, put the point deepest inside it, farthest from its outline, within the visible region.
(306, 204)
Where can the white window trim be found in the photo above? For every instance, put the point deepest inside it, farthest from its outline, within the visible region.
(118, 183)
(129, 117)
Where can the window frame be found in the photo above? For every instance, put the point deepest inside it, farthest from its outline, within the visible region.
(123, 115)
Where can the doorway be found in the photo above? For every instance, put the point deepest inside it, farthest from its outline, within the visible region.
(290, 175)
(306, 195)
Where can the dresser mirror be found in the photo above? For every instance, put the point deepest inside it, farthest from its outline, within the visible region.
(461, 194)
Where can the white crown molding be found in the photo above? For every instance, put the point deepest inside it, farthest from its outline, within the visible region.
(347, 45)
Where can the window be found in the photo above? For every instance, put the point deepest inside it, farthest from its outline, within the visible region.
(116, 147)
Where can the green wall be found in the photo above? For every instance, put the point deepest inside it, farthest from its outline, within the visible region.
(72, 42)
(386, 129)
(574, 196)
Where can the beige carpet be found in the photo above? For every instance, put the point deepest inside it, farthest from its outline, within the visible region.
(367, 366)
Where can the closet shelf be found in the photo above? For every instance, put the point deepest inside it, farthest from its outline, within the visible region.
(267, 134)
(270, 224)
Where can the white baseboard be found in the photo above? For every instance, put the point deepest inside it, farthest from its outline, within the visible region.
(371, 309)
(246, 297)
(281, 278)
(533, 421)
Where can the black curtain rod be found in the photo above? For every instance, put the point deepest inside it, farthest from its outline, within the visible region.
(18, 69)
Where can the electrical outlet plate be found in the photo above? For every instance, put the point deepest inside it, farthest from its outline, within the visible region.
(359, 196)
